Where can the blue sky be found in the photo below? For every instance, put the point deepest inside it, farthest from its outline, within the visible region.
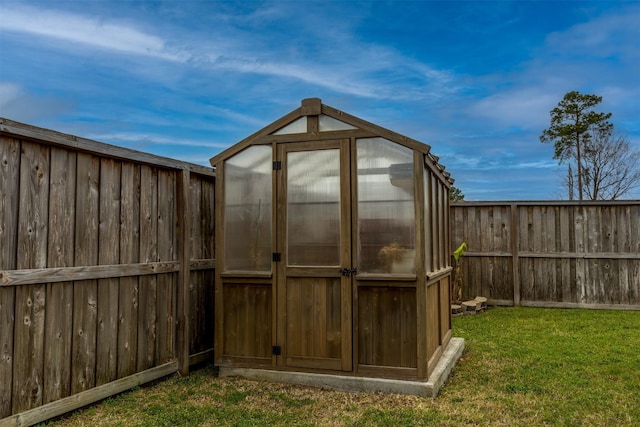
(186, 79)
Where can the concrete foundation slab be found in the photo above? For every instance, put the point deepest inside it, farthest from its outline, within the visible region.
(431, 387)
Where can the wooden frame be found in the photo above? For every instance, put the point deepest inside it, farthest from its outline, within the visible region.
(417, 315)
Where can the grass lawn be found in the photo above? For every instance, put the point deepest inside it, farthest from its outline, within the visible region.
(521, 366)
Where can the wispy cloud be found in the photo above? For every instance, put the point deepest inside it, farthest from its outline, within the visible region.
(370, 71)
(85, 30)
(601, 37)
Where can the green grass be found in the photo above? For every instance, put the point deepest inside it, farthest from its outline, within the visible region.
(521, 366)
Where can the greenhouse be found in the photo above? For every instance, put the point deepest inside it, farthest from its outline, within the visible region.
(332, 239)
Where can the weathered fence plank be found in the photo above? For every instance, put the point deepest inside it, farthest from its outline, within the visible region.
(147, 316)
(30, 300)
(59, 297)
(85, 296)
(166, 252)
(108, 253)
(183, 230)
(9, 183)
(68, 404)
(129, 253)
(561, 253)
(90, 272)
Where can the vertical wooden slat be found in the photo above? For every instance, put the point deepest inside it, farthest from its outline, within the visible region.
(515, 251)
(207, 283)
(9, 196)
(550, 246)
(108, 253)
(28, 369)
(421, 273)
(196, 277)
(608, 267)
(59, 326)
(184, 207)
(486, 243)
(564, 242)
(633, 268)
(165, 347)
(344, 306)
(147, 321)
(282, 289)
(85, 297)
(580, 247)
(129, 253)
(623, 244)
(358, 334)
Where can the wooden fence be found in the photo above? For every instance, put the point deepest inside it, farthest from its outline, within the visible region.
(106, 270)
(551, 254)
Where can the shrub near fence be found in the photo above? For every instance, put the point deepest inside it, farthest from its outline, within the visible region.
(106, 270)
(551, 254)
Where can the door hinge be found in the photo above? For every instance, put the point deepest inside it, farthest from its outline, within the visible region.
(276, 257)
(277, 165)
(276, 350)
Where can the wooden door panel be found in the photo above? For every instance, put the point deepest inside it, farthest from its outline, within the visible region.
(314, 318)
(247, 319)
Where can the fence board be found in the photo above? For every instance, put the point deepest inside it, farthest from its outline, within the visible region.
(565, 253)
(30, 300)
(59, 297)
(148, 252)
(9, 183)
(207, 278)
(634, 239)
(166, 252)
(108, 253)
(129, 253)
(85, 296)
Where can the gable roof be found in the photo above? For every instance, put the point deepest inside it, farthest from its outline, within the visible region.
(314, 120)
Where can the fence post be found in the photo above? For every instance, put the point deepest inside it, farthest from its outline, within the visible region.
(184, 275)
(515, 229)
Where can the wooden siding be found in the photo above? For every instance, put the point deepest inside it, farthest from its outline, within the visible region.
(553, 254)
(387, 322)
(92, 266)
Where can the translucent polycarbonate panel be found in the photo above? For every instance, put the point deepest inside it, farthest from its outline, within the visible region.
(313, 208)
(247, 210)
(428, 253)
(326, 123)
(386, 214)
(441, 215)
(298, 126)
(435, 212)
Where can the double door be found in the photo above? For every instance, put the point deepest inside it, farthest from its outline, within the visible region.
(314, 237)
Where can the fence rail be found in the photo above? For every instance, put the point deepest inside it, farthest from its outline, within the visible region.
(551, 254)
(106, 269)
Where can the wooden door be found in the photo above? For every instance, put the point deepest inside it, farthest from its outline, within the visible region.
(314, 328)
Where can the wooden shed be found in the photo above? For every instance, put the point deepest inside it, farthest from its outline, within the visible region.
(332, 237)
